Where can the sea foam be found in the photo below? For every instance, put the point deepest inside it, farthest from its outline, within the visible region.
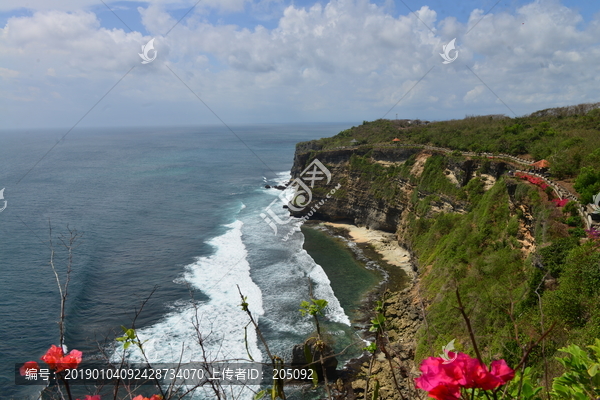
(220, 319)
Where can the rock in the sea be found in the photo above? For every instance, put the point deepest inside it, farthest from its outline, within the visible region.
(267, 186)
(330, 363)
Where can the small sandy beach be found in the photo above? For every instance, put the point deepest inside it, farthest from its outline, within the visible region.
(384, 243)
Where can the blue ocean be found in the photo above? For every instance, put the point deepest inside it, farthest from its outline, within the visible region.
(172, 209)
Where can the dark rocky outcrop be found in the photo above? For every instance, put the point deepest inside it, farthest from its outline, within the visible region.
(329, 361)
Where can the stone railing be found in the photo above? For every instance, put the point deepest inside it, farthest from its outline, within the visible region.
(443, 150)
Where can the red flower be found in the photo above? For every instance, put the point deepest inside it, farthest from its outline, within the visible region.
(445, 392)
(56, 359)
(31, 366)
(53, 356)
(70, 361)
(94, 397)
(154, 397)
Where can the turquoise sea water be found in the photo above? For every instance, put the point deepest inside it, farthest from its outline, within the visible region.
(350, 280)
(167, 208)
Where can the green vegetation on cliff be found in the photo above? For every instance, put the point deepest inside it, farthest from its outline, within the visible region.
(513, 295)
(521, 264)
(567, 137)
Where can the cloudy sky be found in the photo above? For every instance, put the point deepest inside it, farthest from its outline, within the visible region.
(263, 61)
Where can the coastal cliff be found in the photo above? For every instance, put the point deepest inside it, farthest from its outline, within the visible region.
(384, 189)
(473, 226)
(379, 186)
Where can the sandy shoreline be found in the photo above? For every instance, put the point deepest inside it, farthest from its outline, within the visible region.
(384, 243)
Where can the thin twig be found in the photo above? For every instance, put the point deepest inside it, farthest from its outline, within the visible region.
(469, 327)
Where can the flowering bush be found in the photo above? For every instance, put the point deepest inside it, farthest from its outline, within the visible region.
(560, 203)
(444, 380)
(532, 179)
(56, 360)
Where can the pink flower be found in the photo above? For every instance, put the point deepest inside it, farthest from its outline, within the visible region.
(154, 397)
(94, 397)
(443, 380)
(502, 371)
(30, 366)
(478, 376)
(436, 372)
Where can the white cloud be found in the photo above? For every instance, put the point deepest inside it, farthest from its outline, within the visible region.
(8, 73)
(344, 60)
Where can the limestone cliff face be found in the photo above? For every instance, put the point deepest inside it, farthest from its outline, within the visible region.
(355, 201)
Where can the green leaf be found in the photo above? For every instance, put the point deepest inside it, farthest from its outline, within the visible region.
(307, 353)
(527, 390)
(371, 348)
(377, 323)
(261, 394)
(315, 377)
(244, 304)
(313, 368)
(376, 391)
(313, 309)
(560, 389)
